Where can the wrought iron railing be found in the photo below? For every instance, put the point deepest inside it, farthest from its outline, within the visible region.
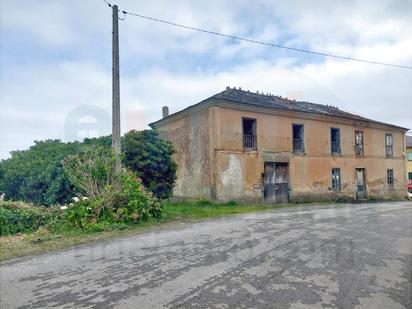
(249, 142)
(389, 151)
(359, 149)
(298, 145)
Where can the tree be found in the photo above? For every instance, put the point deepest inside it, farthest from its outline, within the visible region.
(36, 175)
(150, 157)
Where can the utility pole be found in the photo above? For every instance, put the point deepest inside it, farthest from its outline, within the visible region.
(116, 91)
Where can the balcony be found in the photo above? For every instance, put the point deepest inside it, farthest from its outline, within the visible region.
(359, 150)
(249, 142)
(298, 145)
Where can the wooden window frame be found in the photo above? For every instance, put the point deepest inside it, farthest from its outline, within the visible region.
(333, 173)
(360, 148)
(298, 141)
(389, 148)
(335, 150)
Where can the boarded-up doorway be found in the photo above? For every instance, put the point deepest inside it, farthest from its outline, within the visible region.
(275, 182)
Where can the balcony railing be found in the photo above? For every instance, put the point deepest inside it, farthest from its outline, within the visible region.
(335, 147)
(359, 150)
(249, 142)
(389, 151)
(298, 145)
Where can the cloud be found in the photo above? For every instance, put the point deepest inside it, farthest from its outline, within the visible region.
(57, 56)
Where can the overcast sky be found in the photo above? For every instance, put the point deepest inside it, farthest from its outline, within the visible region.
(55, 60)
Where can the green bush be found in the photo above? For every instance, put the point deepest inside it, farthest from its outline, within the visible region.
(150, 157)
(131, 204)
(105, 196)
(17, 217)
(79, 215)
(36, 175)
(137, 204)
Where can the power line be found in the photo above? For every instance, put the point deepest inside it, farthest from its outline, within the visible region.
(239, 38)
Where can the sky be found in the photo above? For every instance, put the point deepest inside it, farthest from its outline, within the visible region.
(55, 60)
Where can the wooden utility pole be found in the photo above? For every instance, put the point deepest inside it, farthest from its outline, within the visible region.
(116, 91)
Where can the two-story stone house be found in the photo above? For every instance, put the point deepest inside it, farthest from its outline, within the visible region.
(239, 145)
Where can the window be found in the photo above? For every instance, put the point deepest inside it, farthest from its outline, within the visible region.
(410, 175)
(335, 140)
(389, 144)
(336, 179)
(298, 145)
(409, 156)
(359, 143)
(389, 176)
(249, 134)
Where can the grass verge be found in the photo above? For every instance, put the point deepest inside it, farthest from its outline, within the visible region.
(43, 240)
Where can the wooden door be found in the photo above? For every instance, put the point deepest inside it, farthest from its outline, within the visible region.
(281, 181)
(269, 183)
(276, 182)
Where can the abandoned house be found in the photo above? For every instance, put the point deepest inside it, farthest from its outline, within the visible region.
(239, 145)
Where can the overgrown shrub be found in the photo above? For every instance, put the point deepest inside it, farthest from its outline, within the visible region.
(136, 203)
(18, 217)
(92, 171)
(36, 175)
(150, 157)
(103, 195)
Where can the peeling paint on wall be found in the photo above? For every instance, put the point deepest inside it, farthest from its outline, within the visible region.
(232, 178)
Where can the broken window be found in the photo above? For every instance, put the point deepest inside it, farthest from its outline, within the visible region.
(389, 144)
(389, 176)
(335, 140)
(336, 184)
(298, 145)
(359, 143)
(249, 134)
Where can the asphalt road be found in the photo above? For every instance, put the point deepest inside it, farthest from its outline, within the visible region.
(345, 256)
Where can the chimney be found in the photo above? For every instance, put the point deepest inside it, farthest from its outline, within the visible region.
(165, 111)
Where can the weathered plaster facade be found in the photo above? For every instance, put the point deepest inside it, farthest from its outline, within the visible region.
(213, 164)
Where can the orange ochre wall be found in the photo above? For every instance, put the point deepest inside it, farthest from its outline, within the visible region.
(212, 163)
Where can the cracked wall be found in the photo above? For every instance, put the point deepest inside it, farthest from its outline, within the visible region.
(212, 163)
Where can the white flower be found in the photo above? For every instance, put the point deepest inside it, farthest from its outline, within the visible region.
(63, 207)
(76, 199)
(85, 198)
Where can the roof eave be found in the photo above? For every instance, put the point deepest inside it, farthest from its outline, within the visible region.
(213, 101)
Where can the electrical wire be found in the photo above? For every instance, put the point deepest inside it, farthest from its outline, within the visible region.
(239, 38)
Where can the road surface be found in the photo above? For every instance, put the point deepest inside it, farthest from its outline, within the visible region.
(343, 256)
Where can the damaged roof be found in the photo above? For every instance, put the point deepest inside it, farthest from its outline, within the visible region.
(279, 103)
